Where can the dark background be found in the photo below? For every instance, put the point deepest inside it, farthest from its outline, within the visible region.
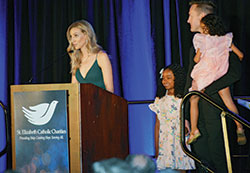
(43, 25)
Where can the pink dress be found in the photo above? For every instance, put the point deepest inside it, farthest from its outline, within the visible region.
(213, 62)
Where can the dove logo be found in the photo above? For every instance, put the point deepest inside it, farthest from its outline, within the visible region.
(41, 113)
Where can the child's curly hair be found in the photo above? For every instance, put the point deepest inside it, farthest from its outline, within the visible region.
(179, 82)
(214, 25)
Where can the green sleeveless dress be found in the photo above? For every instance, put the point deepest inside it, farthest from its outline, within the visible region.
(94, 76)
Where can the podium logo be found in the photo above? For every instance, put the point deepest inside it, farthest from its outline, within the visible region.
(41, 113)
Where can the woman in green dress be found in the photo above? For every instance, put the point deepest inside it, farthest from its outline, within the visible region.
(89, 63)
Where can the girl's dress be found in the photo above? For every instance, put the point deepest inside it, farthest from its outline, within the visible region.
(213, 62)
(171, 154)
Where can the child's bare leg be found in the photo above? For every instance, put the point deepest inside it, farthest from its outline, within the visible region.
(194, 113)
(227, 99)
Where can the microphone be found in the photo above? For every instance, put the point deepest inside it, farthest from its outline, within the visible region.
(48, 66)
(71, 51)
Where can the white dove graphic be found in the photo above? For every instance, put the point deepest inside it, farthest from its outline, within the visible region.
(41, 113)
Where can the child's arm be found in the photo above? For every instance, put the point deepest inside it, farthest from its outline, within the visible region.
(197, 56)
(237, 51)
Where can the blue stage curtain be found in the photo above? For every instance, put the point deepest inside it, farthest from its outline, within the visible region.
(138, 72)
(167, 31)
(17, 36)
(136, 51)
(138, 69)
(3, 77)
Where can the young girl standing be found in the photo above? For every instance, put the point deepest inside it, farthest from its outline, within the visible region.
(212, 52)
(169, 154)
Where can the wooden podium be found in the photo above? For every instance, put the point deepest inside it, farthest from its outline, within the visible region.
(97, 123)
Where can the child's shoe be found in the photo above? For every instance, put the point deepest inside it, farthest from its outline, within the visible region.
(193, 137)
(241, 138)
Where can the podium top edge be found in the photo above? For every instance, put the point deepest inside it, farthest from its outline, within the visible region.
(37, 87)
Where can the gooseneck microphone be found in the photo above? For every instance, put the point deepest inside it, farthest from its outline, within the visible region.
(49, 65)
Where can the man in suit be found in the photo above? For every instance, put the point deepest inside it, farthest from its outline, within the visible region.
(210, 146)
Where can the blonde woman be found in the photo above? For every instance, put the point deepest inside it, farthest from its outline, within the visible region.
(89, 63)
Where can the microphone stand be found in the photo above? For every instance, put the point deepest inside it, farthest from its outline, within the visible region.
(48, 66)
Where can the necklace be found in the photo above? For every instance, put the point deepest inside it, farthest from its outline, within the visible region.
(85, 58)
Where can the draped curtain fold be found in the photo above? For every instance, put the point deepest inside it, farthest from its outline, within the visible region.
(138, 72)
(4, 78)
(136, 48)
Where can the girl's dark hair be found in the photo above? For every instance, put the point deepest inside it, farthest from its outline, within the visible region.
(179, 82)
(214, 25)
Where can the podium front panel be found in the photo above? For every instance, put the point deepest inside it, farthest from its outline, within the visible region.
(97, 124)
(41, 131)
(72, 152)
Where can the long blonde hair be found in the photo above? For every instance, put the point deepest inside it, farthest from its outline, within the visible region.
(92, 46)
